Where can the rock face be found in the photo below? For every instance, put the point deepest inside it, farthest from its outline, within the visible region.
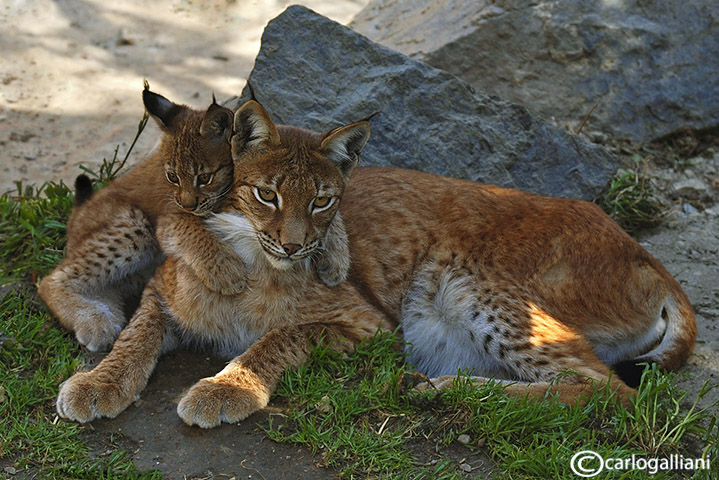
(653, 67)
(315, 73)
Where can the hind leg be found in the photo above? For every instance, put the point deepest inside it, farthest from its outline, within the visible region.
(491, 328)
(89, 290)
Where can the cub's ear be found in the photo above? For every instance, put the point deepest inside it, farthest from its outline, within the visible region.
(163, 111)
(217, 123)
(343, 145)
(253, 127)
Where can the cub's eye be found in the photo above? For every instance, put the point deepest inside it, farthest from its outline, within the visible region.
(204, 179)
(266, 195)
(321, 203)
(172, 178)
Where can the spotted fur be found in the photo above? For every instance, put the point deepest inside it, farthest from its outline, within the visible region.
(112, 249)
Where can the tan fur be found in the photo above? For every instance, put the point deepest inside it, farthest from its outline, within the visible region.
(111, 245)
(506, 284)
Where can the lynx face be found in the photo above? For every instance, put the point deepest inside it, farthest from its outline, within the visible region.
(288, 185)
(198, 158)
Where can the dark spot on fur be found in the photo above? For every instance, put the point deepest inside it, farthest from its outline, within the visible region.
(485, 344)
(502, 351)
(471, 336)
(491, 319)
(441, 346)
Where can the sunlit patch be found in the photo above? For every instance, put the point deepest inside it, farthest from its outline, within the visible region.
(545, 329)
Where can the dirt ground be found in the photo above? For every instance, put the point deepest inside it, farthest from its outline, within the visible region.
(70, 82)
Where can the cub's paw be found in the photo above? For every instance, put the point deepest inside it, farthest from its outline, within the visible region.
(84, 398)
(214, 400)
(98, 332)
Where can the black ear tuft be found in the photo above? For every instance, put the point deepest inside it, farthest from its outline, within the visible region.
(630, 371)
(252, 91)
(162, 110)
(83, 189)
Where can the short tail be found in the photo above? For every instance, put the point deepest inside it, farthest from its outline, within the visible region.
(676, 345)
(83, 189)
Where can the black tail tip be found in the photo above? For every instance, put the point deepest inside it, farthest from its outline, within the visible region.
(83, 189)
(630, 371)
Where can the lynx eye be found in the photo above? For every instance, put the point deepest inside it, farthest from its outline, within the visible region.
(266, 196)
(321, 203)
(172, 178)
(204, 179)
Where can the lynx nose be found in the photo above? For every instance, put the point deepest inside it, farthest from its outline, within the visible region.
(188, 203)
(291, 248)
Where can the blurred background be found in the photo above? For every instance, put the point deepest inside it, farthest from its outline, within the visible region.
(72, 71)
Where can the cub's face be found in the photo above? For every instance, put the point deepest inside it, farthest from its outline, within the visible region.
(196, 150)
(288, 186)
(199, 168)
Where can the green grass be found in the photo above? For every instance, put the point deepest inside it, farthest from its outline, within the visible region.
(36, 355)
(359, 416)
(631, 201)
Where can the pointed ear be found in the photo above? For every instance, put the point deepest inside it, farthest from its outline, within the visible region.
(344, 145)
(253, 127)
(217, 123)
(163, 111)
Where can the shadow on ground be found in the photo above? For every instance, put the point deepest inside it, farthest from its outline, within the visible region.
(157, 439)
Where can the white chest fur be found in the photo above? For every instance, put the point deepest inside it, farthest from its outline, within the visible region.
(229, 324)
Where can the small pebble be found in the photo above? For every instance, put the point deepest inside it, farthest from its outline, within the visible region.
(465, 468)
(10, 470)
(464, 439)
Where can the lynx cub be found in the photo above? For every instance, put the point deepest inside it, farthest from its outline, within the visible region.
(499, 282)
(111, 245)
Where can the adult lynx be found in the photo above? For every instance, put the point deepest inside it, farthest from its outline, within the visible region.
(111, 245)
(498, 282)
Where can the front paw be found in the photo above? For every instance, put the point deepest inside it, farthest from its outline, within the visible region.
(84, 397)
(97, 332)
(214, 400)
(331, 276)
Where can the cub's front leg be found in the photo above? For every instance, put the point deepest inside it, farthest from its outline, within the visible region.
(117, 381)
(245, 385)
(215, 263)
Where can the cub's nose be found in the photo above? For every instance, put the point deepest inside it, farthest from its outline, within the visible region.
(188, 202)
(291, 248)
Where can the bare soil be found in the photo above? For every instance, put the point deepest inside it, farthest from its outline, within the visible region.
(70, 81)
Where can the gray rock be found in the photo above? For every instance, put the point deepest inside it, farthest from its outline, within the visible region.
(317, 74)
(653, 67)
